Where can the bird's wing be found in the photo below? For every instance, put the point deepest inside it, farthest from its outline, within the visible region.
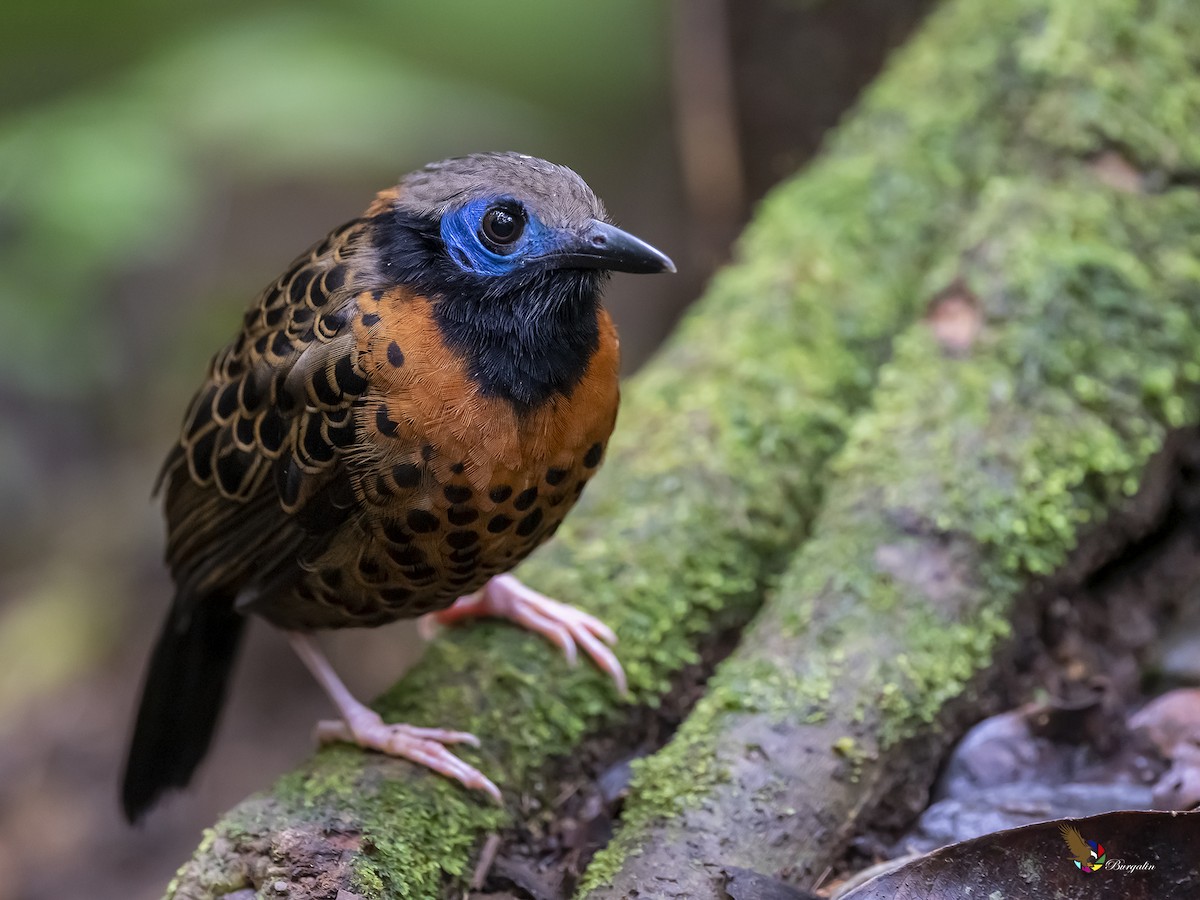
(1078, 846)
(257, 478)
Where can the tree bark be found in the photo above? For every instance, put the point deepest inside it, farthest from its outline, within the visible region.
(1061, 348)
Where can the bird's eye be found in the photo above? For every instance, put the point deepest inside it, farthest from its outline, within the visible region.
(503, 225)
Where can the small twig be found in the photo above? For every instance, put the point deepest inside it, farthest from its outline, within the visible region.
(487, 856)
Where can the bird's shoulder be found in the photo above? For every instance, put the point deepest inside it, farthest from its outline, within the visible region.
(285, 383)
(259, 449)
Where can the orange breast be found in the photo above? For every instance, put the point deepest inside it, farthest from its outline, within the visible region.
(455, 486)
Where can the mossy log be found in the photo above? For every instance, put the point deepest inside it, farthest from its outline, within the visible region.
(718, 466)
(972, 478)
(1019, 437)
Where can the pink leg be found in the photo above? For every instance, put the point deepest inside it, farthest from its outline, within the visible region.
(505, 597)
(362, 726)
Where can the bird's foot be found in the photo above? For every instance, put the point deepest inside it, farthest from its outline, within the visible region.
(424, 746)
(569, 628)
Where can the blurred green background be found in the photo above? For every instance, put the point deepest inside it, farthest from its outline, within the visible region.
(159, 164)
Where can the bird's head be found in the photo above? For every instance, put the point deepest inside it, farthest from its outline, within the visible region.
(512, 251)
(494, 223)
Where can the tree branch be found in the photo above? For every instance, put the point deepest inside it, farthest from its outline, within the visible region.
(1059, 354)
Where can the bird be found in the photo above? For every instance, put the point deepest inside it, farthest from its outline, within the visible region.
(404, 415)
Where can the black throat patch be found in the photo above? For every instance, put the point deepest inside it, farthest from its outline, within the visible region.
(525, 337)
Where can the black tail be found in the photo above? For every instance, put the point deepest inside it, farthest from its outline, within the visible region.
(181, 700)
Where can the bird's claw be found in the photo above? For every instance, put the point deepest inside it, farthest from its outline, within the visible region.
(565, 626)
(424, 746)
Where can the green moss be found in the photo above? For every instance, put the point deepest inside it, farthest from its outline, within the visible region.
(1051, 423)
(1090, 300)
(217, 879)
(855, 755)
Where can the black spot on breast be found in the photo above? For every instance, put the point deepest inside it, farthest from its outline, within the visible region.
(461, 580)
(555, 476)
(369, 569)
(383, 423)
(377, 294)
(383, 490)
(422, 573)
(458, 468)
(348, 380)
(393, 532)
(460, 539)
(427, 452)
(408, 556)
(580, 486)
(530, 523)
(591, 459)
(370, 319)
(406, 475)
(556, 499)
(457, 493)
(395, 355)
(525, 499)
(272, 317)
(466, 554)
(462, 515)
(422, 521)
(498, 523)
(464, 569)
(500, 494)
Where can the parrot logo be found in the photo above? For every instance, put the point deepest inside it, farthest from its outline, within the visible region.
(1088, 856)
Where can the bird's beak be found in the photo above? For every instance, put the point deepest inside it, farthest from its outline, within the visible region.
(604, 246)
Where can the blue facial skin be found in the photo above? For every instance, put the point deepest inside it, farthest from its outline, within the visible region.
(460, 233)
(526, 325)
